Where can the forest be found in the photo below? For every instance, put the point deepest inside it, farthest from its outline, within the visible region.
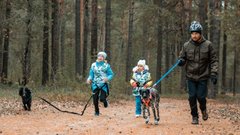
(47, 48)
(53, 42)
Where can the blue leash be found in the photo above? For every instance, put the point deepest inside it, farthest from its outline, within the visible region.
(169, 71)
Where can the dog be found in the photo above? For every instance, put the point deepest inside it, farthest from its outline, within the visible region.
(26, 96)
(150, 98)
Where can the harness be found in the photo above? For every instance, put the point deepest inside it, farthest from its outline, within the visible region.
(147, 101)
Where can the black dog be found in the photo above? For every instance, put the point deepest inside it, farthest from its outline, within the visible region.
(25, 93)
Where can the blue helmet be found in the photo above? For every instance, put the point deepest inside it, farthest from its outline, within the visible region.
(196, 27)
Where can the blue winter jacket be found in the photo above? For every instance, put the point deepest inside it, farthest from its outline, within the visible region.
(98, 71)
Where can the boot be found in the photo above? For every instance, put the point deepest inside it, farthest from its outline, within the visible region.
(105, 103)
(204, 115)
(96, 114)
(195, 120)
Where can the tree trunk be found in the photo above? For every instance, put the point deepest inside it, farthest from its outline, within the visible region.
(224, 56)
(108, 29)
(78, 39)
(94, 29)
(62, 32)
(224, 62)
(4, 74)
(45, 58)
(55, 39)
(144, 39)
(85, 36)
(167, 50)
(184, 33)
(235, 70)
(214, 5)
(236, 51)
(203, 6)
(2, 13)
(159, 43)
(129, 47)
(27, 50)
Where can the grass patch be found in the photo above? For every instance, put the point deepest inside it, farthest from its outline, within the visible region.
(9, 92)
(228, 98)
(82, 92)
(174, 96)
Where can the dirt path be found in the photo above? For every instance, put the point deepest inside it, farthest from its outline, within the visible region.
(117, 119)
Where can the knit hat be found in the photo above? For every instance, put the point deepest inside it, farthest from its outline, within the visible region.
(103, 54)
(196, 27)
(141, 62)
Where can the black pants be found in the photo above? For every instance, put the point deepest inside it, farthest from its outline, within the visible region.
(197, 91)
(99, 93)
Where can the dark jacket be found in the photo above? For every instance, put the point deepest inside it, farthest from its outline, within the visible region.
(200, 60)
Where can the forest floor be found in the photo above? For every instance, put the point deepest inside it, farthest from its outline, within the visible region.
(118, 118)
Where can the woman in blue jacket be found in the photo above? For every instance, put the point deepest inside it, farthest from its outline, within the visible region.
(99, 76)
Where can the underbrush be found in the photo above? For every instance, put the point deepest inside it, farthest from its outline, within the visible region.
(82, 92)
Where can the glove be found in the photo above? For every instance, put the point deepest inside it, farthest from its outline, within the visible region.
(134, 84)
(213, 79)
(181, 62)
(145, 86)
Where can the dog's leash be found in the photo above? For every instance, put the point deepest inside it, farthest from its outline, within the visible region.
(85, 107)
(169, 71)
(58, 108)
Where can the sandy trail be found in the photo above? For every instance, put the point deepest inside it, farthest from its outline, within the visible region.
(118, 118)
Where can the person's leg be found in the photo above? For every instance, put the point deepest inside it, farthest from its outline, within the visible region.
(201, 96)
(192, 88)
(138, 106)
(103, 98)
(95, 101)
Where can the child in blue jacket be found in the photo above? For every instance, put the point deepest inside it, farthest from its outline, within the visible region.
(141, 78)
(99, 76)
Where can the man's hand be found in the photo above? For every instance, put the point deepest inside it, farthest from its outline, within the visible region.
(181, 62)
(213, 79)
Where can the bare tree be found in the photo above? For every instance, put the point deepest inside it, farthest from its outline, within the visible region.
(235, 69)
(214, 6)
(224, 54)
(167, 47)
(159, 3)
(4, 73)
(236, 50)
(108, 29)
(94, 29)
(85, 36)
(2, 13)
(55, 38)
(129, 47)
(62, 21)
(45, 58)
(27, 50)
(203, 6)
(78, 39)
(186, 21)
